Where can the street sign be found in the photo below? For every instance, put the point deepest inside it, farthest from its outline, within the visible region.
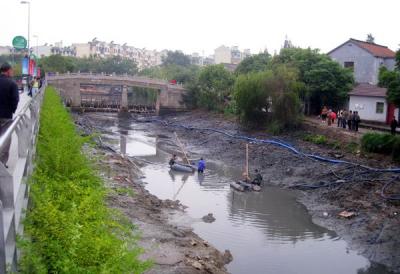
(19, 42)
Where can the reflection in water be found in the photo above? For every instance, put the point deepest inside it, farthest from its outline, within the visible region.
(200, 178)
(122, 142)
(268, 210)
(267, 232)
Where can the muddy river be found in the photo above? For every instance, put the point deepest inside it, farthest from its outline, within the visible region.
(266, 232)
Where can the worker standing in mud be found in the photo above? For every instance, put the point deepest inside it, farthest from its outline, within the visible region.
(201, 166)
(172, 161)
(257, 179)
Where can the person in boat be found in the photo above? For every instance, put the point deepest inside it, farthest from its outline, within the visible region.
(173, 159)
(201, 166)
(257, 178)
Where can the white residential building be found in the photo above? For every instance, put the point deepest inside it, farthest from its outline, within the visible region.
(42, 51)
(365, 60)
(230, 55)
(5, 50)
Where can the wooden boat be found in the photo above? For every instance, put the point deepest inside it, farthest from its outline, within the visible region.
(243, 186)
(183, 167)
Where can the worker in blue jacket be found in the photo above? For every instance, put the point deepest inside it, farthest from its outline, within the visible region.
(201, 166)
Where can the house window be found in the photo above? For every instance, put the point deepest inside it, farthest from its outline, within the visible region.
(349, 65)
(379, 107)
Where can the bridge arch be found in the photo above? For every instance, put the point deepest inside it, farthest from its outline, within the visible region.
(76, 91)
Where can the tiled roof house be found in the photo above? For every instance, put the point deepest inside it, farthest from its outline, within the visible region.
(365, 59)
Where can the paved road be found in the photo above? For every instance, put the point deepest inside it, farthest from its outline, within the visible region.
(24, 99)
(334, 127)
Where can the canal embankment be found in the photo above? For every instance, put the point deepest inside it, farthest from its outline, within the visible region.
(268, 231)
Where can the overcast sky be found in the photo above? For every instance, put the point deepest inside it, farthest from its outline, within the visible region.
(203, 25)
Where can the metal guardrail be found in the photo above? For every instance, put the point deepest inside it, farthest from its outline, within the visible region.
(14, 190)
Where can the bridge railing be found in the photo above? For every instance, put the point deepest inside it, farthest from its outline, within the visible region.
(116, 76)
(22, 133)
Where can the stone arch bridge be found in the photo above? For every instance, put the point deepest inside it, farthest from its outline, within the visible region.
(110, 92)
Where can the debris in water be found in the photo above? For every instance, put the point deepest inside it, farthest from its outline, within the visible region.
(209, 218)
(347, 214)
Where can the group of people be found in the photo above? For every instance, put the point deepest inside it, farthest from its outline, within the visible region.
(349, 119)
(345, 119)
(201, 166)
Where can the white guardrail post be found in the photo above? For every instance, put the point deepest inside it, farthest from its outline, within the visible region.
(14, 190)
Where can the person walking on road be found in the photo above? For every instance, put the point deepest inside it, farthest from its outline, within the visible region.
(393, 125)
(35, 86)
(9, 98)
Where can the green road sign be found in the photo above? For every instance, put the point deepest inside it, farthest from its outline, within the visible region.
(19, 42)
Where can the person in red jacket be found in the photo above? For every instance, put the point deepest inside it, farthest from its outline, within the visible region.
(333, 116)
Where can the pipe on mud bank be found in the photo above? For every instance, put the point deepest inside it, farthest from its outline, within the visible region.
(289, 147)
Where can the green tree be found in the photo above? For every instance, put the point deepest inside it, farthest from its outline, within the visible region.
(118, 65)
(325, 81)
(172, 72)
(63, 64)
(370, 38)
(254, 63)
(251, 96)
(327, 84)
(214, 86)
(391, 80)
(270, 96)
(176, 58)
(57, 63)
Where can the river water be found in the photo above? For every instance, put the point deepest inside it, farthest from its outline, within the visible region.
(266, 232)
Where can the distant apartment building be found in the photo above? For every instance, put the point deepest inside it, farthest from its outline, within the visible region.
(230, 55)
(199, 60)
(5, 50)
(144, 58)
(42, 51)
(83, 50)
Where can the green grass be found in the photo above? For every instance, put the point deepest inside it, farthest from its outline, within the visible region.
(68, 228)
(125, 191)
(316, 139)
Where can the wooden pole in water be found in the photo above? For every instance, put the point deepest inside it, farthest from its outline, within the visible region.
(182, 148)
(247, 161)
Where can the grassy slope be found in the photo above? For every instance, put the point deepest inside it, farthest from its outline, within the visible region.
(68, 228)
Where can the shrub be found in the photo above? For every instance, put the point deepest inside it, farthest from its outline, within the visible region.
(316, 139)
(68, 228)
(378, 143)
(381, 143)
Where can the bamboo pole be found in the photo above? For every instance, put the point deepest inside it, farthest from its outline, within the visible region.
(247, 161)
(182, 148)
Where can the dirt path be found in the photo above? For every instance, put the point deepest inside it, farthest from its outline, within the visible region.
(373, 230)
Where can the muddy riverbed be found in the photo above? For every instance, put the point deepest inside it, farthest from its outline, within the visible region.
(266, 232)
